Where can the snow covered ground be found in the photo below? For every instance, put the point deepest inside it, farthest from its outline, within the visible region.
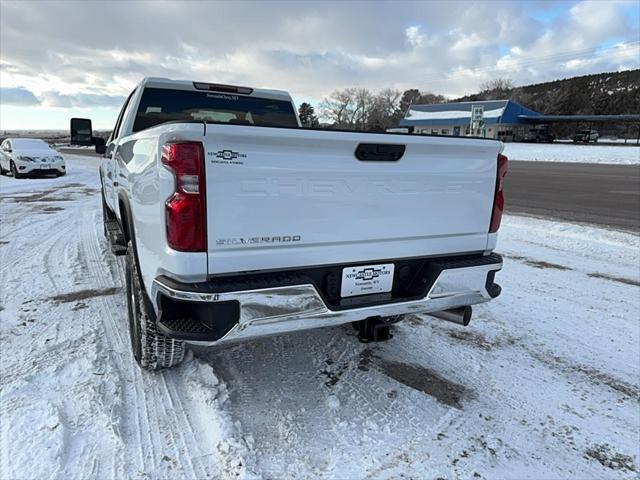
(559, 152)
(544, 383)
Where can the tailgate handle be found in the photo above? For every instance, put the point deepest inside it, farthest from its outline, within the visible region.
(379, 152)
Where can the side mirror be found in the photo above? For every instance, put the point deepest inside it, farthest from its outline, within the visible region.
(82, 134)
(81, 131)
(101, 146)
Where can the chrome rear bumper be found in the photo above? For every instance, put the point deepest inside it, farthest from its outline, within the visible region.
(271, 311)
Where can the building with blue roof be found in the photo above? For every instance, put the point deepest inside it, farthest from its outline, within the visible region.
(502, 119)
(499, 119)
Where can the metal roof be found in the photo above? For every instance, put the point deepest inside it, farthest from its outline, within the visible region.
(579, 118)
(466, 106)
(495, 111)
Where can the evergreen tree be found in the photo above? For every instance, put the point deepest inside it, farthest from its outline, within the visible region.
(307, 115)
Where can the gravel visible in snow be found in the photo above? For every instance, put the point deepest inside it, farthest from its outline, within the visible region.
(558, 152)
(544, 383)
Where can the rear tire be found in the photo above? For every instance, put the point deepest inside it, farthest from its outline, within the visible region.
(151, 349)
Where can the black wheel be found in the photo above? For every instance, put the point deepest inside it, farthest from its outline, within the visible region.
(151, 349)
(3, 171)
(14, 171)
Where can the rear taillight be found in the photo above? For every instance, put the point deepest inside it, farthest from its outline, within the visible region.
(185, 210)
(498, 199)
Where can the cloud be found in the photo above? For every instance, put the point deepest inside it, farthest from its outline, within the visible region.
(308, 48)
(414, 36)
(80, 100)
(17, 96)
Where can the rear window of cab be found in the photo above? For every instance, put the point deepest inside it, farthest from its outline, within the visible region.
(160, 105)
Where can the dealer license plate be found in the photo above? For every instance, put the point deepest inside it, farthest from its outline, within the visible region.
(367, 279)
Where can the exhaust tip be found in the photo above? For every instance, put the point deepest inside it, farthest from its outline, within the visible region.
(466, 315)
(460, 315)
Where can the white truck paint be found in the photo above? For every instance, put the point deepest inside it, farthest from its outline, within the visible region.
(437, 200)
(288, 211)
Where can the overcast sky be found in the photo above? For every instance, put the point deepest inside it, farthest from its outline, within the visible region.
(63, 59)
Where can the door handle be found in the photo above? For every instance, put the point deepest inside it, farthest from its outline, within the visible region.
(379, 152)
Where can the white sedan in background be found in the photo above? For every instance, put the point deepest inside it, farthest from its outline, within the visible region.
(24, 156)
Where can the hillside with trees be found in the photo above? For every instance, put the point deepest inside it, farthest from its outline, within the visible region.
(598, 94)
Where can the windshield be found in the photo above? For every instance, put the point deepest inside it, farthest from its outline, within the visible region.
(159, 105)
(29, 143)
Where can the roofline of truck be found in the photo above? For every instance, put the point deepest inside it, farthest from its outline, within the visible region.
(168, 83)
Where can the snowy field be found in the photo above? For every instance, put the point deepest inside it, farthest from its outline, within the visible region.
(563, 152)
(544, 383)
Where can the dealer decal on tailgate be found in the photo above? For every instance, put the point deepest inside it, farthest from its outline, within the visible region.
(366, 279)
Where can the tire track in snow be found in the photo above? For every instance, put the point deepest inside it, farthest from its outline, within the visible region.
(142, 418)
(46, 357)
(114, 337)
(168, 415)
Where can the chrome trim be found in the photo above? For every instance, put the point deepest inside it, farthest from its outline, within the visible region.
(271, 311)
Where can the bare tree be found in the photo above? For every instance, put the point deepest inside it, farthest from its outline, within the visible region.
(385, 111)
(348, 108)
(428, 97)
(360, 109)
(497, 88)
(364, 104)
(338, 108)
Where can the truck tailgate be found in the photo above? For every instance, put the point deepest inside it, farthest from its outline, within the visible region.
(282, 198)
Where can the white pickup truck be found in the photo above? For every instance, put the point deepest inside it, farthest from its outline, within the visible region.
(238, 223)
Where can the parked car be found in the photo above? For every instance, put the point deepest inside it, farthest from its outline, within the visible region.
(27, 156)
(238, 223)
(539, 134)
(586, 136)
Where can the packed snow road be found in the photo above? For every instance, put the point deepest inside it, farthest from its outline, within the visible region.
(544, 383)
